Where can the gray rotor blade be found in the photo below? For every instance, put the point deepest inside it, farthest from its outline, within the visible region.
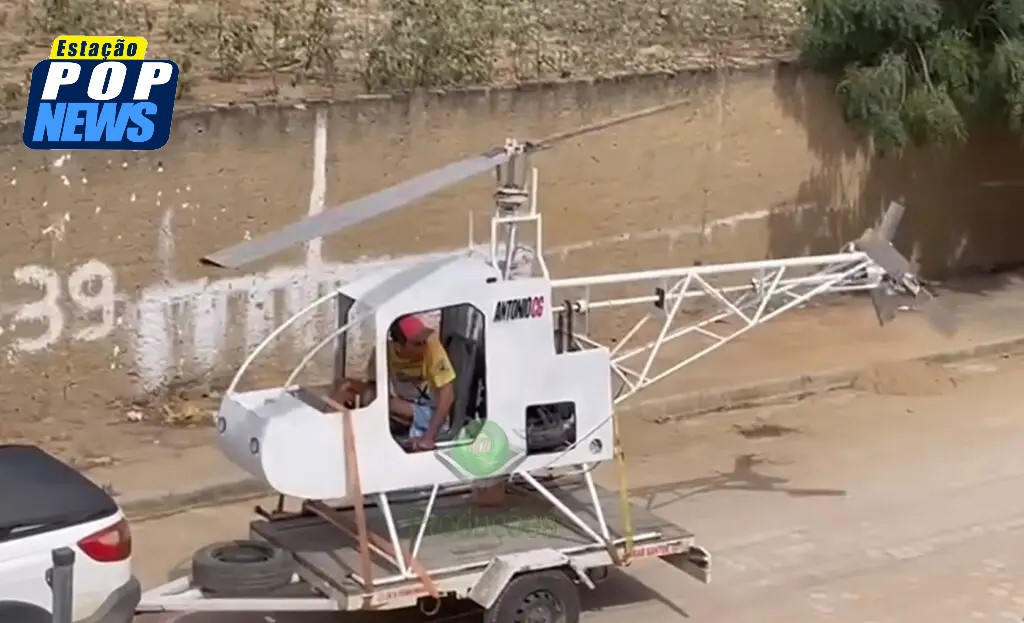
(885, 255)
(890, 221)
(354, 212)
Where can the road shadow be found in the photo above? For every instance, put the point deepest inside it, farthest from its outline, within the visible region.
(742, 477)
(764, 430)
(621, 589)
(1002, 277)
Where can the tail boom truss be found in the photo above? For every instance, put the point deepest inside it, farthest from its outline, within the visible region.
(758, 293)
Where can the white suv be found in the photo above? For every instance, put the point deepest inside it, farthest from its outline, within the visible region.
(46, 505)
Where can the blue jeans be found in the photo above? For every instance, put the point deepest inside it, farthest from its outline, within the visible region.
(422, 412)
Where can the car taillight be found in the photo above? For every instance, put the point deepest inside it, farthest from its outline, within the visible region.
(110, 544)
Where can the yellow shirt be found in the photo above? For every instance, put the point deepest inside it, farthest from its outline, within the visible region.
(412, 379)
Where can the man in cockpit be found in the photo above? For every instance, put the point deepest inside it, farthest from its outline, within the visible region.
(421, 382)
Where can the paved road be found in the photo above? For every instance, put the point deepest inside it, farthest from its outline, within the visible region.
(853, 507)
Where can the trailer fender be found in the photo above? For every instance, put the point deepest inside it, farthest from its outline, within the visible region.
(502, 569)
(695, 562)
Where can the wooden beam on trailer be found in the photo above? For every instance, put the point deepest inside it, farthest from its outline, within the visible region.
(367, 539)
(355, 491)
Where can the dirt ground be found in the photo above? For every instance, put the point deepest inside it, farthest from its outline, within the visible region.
(885, 506)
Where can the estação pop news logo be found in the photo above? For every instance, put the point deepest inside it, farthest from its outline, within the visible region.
(100, 93)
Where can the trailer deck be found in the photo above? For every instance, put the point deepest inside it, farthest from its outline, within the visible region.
(460, 537)
(459, 551)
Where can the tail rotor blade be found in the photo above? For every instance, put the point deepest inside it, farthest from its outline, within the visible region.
(355, 212)
(890, 221)
(902, 279)
(885, 255)
(939, 316)
(885, 302)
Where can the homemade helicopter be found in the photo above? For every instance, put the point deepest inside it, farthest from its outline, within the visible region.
(528, 369)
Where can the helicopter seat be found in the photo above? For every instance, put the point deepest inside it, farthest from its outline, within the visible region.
(466, 359)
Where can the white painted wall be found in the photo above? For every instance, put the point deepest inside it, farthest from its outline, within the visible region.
(91, 289)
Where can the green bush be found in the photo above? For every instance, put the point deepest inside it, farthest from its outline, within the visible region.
(917, 71)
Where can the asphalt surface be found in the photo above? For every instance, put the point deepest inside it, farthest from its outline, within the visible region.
(857, 506)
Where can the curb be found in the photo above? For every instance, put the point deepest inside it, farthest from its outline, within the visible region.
(683, 406)
(145, 509)
(661, 410)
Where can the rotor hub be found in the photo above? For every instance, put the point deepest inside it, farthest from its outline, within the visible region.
(512, 194)
(509, 199)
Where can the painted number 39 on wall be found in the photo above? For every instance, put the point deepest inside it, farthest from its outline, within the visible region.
(92, 291)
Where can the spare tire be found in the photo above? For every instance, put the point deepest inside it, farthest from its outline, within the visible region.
(241, 568)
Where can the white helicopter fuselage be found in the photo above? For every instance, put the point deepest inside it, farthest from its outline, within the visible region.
(297, 445)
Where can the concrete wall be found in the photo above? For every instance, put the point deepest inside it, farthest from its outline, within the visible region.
(101, 294)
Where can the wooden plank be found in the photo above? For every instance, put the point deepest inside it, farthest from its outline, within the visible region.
(378, 542)
(355, 492)
(364, 535)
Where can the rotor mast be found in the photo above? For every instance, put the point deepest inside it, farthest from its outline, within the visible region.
(515, 204)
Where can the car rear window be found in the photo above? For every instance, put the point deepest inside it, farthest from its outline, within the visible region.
(38, 492)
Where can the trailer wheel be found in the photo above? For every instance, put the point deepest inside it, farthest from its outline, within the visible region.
(538, 597)
(240, 568)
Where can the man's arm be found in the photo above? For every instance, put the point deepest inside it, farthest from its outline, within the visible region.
(349, 389)
(442, 377)
(442, 406)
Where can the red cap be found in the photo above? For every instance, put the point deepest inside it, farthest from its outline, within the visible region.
(411, 327)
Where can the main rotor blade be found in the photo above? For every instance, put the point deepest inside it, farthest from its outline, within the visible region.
(354, 212)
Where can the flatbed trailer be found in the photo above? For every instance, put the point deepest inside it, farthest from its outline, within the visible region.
(497, 557)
